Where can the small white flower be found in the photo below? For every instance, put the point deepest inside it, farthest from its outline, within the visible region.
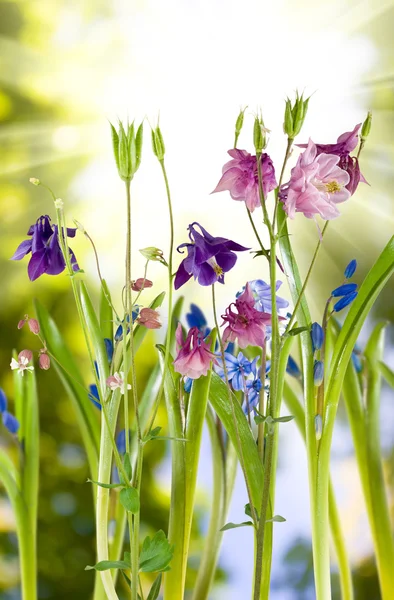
(21, 365)
(59, 203)
(34, 181)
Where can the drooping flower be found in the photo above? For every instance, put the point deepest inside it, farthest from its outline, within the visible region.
(345, 144)
(141, 284)
(33, 324)
(317, 184)
(317, 336)
(116, 381)
(240, 177)
(208, 258)
(44, 361)
(22, 364)
(46, 254)
(238, 368)
(345, 301)
(246, 324)
(149, 318)
(344, 290)
(262, 294)
(194, 356)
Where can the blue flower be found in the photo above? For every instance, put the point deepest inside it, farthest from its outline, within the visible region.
(121, 441)
(109, 346)
(253, 387)
(3, 401)
(344, 290)
(208, 257)
(187, 384)
(317, 336)
(292, 368)
(262, 294)
(351, 269)
(119, 331)
(356, 360)
(318, 373)
(9, 421)
(46, 254)
(345, 301)
(94, 395)
(238, 368)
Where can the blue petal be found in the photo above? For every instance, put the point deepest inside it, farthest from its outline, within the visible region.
(344, 290)
(109, 346)
(94, 395)
(292, 367)
(351, 269)
(317, 335)
(3, 401)
(10, 422)
(345, 301)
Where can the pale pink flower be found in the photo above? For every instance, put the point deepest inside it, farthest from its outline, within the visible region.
(149, 318)
(141, 284)
(116, 381)
(240, 177)
(246, 324)
(194, 356)
(316, 186)
(22, 364)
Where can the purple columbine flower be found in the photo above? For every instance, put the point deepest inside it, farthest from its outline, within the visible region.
(46, 254)
(345, 144)
(208, 258)
(262, 294)
(240, 178)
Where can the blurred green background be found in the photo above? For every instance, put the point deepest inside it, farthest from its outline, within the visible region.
(66, 67)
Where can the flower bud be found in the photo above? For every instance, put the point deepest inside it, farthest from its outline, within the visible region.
(149, 318)
(317, 335)
(127, 146)
(239, 124)
(152, 253)
(25, 354)
(140, 284)
(158, 144)
(44, 361)
(259, 135)
(22, 322)
(318, 373)
(295, 115)
(79, 226)
(34, 326)
(344, 290)
(366, 128)
(351, 269)
(35, 181)
(345, 301)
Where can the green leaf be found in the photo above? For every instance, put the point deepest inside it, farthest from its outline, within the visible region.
(106, 315)
(155, 589)
(276, 519)
(219, 399)
(130, 499)
(284, 419)
(105, 565)
(297, 330)
(156, 553)
(96, 337)
(152, 434)
(127, 466)
(387, 373)
(248, 512)
(108, 486)
(236, 525)
(69, 375)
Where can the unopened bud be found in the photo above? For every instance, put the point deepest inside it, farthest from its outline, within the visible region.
(25, 354)
(259, 135)
(127, 147)
(239, 124)
(366, 128)
(34, 326)
(44, 361)
(35, 181)
(22, 322)
(59, 203)
(318, 373)
(140, 284)
(158, 144)
(152, 253)
(79, 226)
(295, 116)
(149, 318)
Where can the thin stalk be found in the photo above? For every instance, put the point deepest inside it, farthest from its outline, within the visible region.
(261, 426)
(287, 155)
(263, 250)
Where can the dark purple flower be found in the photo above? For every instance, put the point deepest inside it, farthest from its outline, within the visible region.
(240, 178)
(208, 258)
(46, 254)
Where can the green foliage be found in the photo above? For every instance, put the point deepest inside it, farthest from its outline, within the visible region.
(105, 565)
(130, 499)
(236, 525)
(156, 553)
(155, 589)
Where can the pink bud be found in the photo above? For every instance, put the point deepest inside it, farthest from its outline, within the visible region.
(25, 354)
(140, 284)
(21, 323)
(44, 361)
(34, 326)
(149, 318)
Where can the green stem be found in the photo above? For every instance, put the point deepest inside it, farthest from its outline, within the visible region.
(135, 549)
(223, 484)
(256, 233)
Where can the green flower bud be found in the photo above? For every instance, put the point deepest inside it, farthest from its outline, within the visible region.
(259, 134)
(295, 116)
(158, 144)
(155, 254)
(239, 124)
(366, 128)
(288, 125)
(127, 148)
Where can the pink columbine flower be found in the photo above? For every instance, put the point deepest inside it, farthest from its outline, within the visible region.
(149, 318)
(316, 186)
(246, 324)
(194, 356)
(141, 284)
(116, 381)
(22, 364)
(240, 178)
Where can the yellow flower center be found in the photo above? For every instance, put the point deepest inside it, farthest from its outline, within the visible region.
(333, 187)
(218, 270)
